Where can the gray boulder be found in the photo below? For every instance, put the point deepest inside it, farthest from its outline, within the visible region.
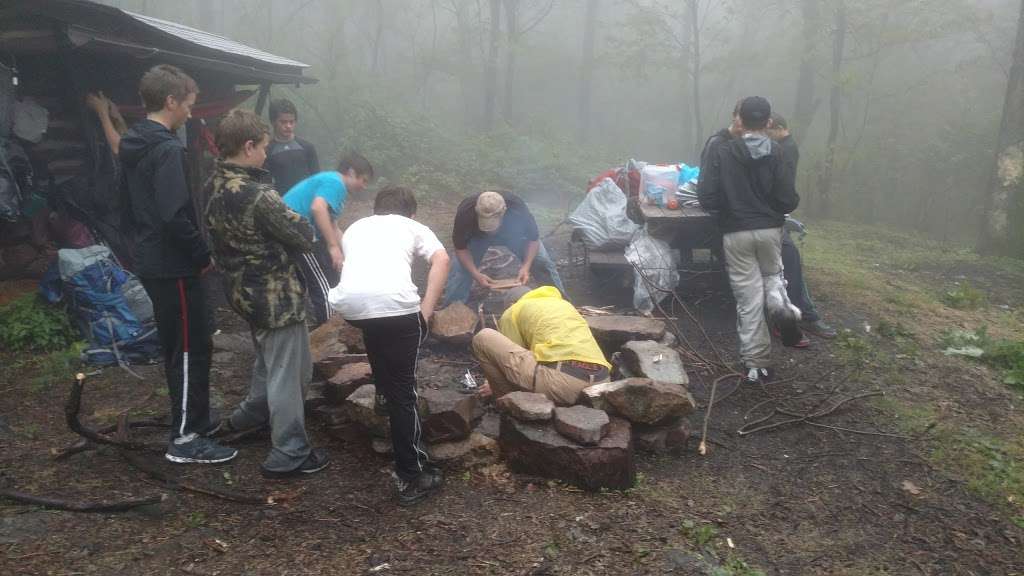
(581, 424)
(649, 359)
(526, 406)
(612, 331)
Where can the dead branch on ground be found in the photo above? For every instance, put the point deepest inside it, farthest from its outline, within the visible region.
(798, 418)
(60, 504)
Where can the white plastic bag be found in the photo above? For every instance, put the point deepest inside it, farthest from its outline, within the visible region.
(660, 267)
(658, 183)
(601, 217)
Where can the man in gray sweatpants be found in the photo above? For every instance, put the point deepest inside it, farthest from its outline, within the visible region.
(254, 234)
(746, 183)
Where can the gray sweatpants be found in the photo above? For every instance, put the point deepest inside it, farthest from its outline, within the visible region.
(280, 374)
(753, 259)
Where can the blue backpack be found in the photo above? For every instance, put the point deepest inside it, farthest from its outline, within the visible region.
(109, 306)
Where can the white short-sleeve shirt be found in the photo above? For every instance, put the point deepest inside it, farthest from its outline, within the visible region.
(376, 279)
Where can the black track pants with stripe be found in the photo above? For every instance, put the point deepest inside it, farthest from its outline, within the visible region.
(392, 347)
(182, 320)
(320, 277)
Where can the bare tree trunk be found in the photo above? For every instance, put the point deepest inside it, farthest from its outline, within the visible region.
(698, 122)
(512, 36)
(470, 103)
(491, 67)
(1004, 204)
(375, 64)
(838, 42)
(586, 73)
(806, 105)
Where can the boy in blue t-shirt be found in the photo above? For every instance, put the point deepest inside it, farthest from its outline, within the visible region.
(320, 200)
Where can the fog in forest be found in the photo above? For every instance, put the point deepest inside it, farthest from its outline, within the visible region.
(896, 104)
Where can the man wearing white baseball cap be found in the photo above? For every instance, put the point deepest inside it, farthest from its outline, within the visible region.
(494, 218)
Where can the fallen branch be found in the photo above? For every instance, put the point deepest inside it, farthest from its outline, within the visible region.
(140, 464)
(58, 504)
(127, 446)
(71, 413)
(756, 425)
(703, 448)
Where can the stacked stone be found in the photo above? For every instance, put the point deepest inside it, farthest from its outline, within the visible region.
(577, 444)
(346, 395)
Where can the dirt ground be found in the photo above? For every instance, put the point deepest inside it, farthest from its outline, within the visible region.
(860, 492)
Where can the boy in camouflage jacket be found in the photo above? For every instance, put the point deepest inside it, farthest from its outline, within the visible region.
(253, 232)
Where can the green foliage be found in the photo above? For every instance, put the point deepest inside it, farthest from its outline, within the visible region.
(736, 567)
(991, 466)
(29, 324)
(1004, 355)
(195, 519)
(893, 330)
(701, 535)
(964, 297)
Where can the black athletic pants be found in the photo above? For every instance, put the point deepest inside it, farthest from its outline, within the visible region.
(392, 347)
(320, 277)
(183, 323)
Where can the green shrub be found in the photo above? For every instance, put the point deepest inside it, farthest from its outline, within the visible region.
(30, 324)
(1004, 355)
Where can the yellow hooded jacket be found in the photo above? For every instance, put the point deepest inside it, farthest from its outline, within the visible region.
(545, 324)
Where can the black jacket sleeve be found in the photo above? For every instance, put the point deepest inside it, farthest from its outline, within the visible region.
(311, 157)
(174, 205)
(784, 198)
(708, 193)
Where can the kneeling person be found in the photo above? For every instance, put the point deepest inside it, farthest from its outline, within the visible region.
(543, 345)
(252, 232)
(377, 295)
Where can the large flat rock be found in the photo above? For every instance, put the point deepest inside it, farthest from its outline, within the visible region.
(640, 400)
(359, 406)
(472, 451)
(447, 415)
(526, 406)
(346, 380)
(333, 339)
(612, 331)
(329, 361)
(581, 424)
(650, 359)
(537, 448)
(454, 324)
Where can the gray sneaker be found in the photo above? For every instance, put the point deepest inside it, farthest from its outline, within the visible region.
(199, 450)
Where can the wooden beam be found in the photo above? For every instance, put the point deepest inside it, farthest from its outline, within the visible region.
(261, 100)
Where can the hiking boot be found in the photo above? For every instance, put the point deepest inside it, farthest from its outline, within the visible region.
(199, 450)
(315, 462)
(758, 376)
(419, 488)
(819, 328)
(786, 321)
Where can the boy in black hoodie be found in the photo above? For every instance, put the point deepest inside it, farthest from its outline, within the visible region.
(746, 183)
(170, 256)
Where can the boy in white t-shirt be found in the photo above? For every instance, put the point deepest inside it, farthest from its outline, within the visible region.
(377, 295)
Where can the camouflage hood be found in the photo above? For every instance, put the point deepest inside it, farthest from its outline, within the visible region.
(255, 239)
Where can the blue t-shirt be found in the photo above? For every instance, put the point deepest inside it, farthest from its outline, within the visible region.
(327, 185)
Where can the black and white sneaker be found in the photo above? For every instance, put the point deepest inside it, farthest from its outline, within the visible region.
(315, 462)
(419, 488)
(199, 450)
(758, 376)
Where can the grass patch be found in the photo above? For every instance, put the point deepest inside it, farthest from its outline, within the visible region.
(964, 297)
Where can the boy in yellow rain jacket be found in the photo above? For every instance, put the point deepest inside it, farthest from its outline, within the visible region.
(543, 345)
